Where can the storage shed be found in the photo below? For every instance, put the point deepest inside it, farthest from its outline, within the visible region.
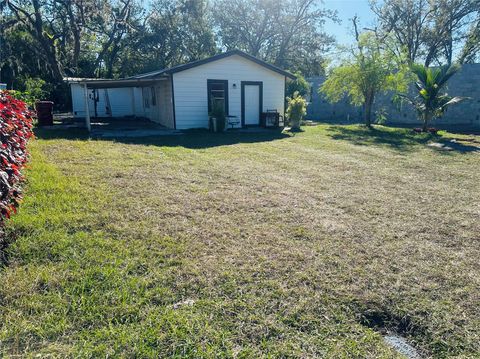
(182, 96)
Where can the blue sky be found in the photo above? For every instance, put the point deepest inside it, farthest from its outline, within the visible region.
(347, 9)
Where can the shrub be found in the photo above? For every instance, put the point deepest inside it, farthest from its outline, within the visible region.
(34, 89)
(297, 108)
(15, 131)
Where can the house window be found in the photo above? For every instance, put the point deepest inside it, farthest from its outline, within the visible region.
(217, 94)
(154, 96)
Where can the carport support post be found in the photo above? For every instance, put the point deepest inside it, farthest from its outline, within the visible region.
(87, 111)
(133, 101)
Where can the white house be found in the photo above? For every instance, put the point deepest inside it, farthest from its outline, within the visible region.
(181, 97)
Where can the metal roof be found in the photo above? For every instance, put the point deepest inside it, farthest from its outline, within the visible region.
(113, 83)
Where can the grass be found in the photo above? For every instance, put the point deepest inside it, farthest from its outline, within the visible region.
(271, 245)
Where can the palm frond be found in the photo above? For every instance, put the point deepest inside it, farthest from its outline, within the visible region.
(433, 76)
(454, 100)
(421, 72)
(449, 72)
(419, 86)
(415, 102)
(430, 101)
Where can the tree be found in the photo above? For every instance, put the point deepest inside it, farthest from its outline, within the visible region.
(174, 32)
(428, 30)
(247, 25)
(407, 20)
(64, 35)
(370, 70)
(112, 33)
(431, 101)
(287, 33)
(451, 20)
(299, 85)
(31, 15)
(471, 48)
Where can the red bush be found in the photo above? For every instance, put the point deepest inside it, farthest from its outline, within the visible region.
(16, 122)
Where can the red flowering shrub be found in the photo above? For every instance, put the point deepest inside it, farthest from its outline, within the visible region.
(16, 122)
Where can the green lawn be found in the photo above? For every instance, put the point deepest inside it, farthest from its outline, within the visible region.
(281, 246)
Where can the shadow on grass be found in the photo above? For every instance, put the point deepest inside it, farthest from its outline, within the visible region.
(401, 139)
(192, 139)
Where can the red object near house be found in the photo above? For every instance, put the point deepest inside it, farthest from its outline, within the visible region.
(44, 113)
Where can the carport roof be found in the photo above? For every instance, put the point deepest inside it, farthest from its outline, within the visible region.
(113, 83)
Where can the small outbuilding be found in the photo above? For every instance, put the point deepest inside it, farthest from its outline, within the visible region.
(181, 97)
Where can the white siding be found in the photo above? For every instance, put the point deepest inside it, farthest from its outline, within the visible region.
(123, 101)
(138, 101)
(190, 89)
(78, 104)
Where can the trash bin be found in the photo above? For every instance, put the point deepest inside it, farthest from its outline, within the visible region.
(44, 113)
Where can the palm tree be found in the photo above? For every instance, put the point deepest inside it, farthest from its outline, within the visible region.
(431, 101)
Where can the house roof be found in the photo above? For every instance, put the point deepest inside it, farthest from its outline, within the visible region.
(189, 65)
(149, 77)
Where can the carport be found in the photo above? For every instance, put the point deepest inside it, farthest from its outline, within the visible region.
(133, 98)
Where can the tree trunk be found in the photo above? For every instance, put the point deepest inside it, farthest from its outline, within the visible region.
(47, 44)
(426, 121)
(368, 110)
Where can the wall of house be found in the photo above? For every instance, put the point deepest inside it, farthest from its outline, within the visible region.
(165, 103)
(465, 114)
(190, 89)
(160, 109)
(78, 103)
(123, 102)
(138, 103)
(149, 106)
